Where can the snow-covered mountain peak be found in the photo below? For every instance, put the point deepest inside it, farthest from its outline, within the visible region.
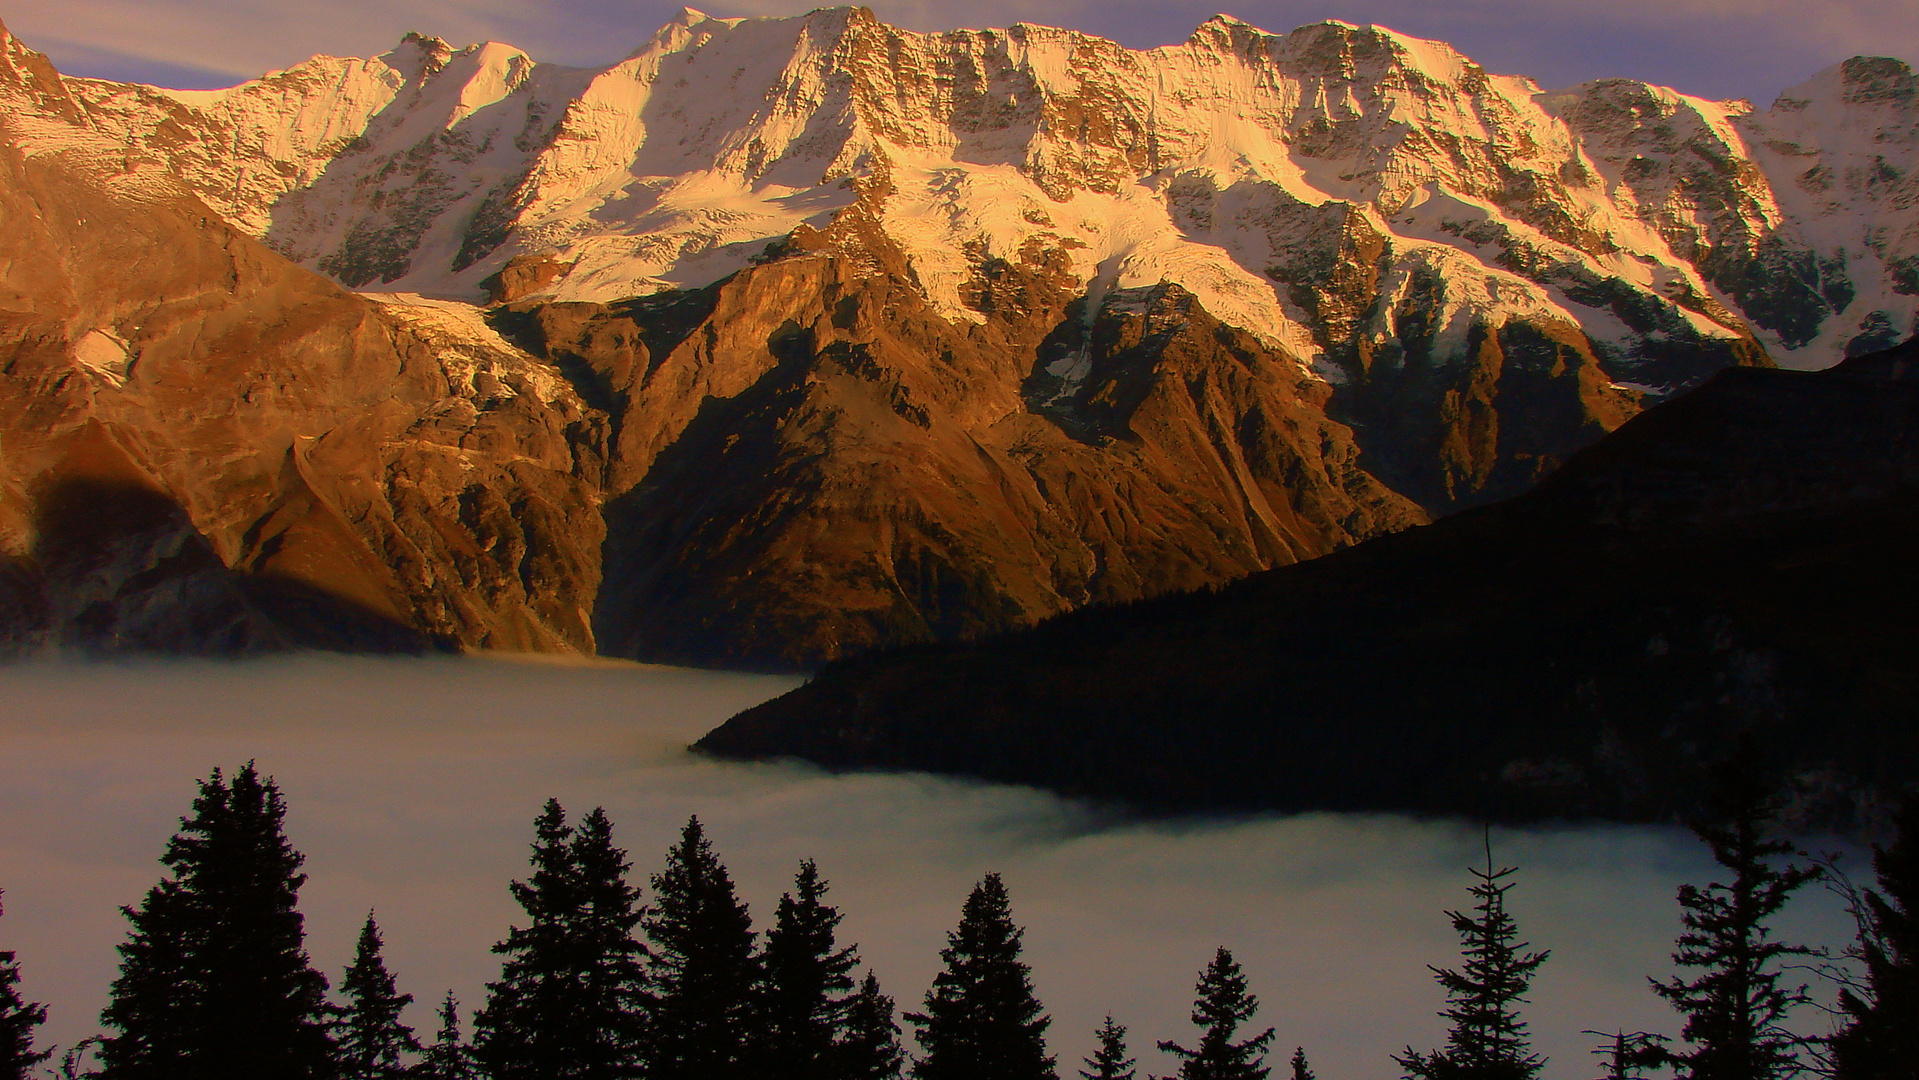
(1878, 80)
(1245, 166)
(419, 55)
(1842, 150)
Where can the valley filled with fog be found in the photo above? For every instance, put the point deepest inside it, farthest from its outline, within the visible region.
(411, 786)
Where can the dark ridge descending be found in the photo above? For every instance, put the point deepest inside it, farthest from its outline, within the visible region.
(1738, 560)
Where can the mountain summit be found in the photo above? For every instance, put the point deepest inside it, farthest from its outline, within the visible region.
(849, 336)
(1236, 164)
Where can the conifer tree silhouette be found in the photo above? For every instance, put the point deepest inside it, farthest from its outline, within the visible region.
(704, 968)
(370, 1036)
(612, 973)
(568, 1003)
(1109, 1060)
(869, 1044)
(1736, 1006)
(448, 1057)
(1301, 1070)
(1220, 1005)
(1881, 1038)
(18, 1020)
(1487, 1040)
(214, 981)
(807, 987)
(982, 1021)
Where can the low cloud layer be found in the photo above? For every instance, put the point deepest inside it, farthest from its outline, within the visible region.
(1714, 48)
(412, 785)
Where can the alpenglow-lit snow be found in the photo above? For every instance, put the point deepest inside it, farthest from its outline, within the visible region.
(1238, 164)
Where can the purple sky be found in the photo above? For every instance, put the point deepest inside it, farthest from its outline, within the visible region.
(1714, 48)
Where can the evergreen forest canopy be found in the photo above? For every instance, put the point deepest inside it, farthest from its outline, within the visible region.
(602, 978)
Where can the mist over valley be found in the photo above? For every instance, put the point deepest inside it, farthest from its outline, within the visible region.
(411, 787)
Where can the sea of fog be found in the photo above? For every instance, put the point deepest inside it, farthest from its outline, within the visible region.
(411, 786)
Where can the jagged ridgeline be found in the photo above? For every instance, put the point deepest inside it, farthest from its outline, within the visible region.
(787, 338)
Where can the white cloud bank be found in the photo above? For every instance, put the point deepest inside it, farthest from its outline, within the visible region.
(412, 785)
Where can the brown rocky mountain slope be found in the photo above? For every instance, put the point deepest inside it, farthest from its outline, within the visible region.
(822, 464)
(801, 461)
(1735, 562)
(207, 448)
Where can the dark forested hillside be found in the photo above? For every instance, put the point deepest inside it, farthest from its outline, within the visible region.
(1738, 560)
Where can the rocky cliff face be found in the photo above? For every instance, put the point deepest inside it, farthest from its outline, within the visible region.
(843, 335)
(1488, 275)
(209, 448)
(1242, 165)
(1733, 564)
(817, 461)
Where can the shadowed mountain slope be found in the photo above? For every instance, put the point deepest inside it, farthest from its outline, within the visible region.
(1738, 560)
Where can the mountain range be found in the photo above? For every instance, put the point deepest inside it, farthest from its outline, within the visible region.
(786, 339)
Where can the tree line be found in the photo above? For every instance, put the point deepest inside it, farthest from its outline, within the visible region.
(215, 982)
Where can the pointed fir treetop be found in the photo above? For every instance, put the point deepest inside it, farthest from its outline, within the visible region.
(1487, 1037)
(705, 972)
(529, 1015)
(697, 909)
(448, 1057)
(868, 1047)
(1735, 1009)
(214, 978)
(370, 1035)
(982, 1020)
(19, 1019)
(1109, 1060)
(606, 922)
(808, 985)
(550, 895)
(1301, 1070)
(571, 992)
(1221, 1003)
(1882, 1030)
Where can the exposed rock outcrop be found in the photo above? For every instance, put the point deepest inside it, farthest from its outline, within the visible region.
(210, 448)
(811, 460)
(823, 335)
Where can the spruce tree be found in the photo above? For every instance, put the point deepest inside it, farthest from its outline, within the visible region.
(982, 1021)
(1735, 1007)
(1301, 1070)
(611, 1008)
(214, 982)
(1109, 1061)
(869, 1042)
(18, 1020)
(1881, 1038)
(525, 1030)
(448, 1058)
(369, 1032)
(1487, 1040)
(1220, 1005)
(704, 969)
(570, 996)
(807, 986)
